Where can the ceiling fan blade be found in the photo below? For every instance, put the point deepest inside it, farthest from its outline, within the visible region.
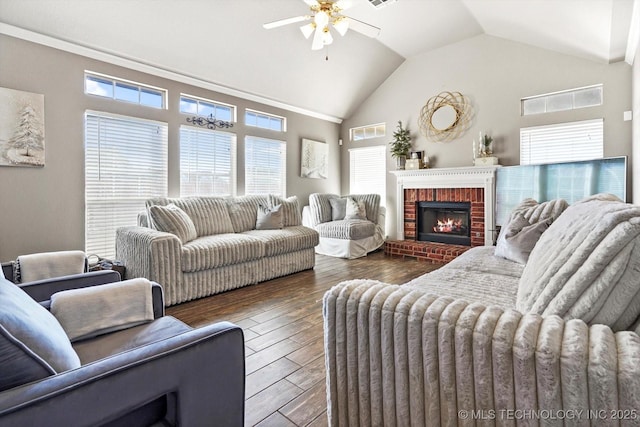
(344, 4)
(282, 22)
(363, 28)
(311, 3)
(317, 43)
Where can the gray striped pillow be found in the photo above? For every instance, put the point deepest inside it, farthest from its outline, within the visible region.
(172, 219)
(290, 209)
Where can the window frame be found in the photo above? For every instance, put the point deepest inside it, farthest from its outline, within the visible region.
(114, 81)
(283, 172)
(548, 96)
(233, 161)
(113, 187)
(371, 128)
(268, 116)
(568, 154)
(214, 103)
(376, 150)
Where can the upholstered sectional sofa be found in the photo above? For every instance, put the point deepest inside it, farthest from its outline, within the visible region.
(344, 233)
(210, 244)
(488, 341)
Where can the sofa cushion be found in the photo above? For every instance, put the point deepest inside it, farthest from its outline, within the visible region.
(518, 238)
(289, 239)
(290, 209)
(586, 265)
(349, 229)
(172, 219)
(269, 218)
(32, 342)
(219, 250)
(338, 208)
(209, 214)
(243, 211)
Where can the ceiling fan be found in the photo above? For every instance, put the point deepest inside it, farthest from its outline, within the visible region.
(324, 15)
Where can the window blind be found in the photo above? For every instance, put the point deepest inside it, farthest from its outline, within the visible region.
(563, 142)
(207, 162)
(570, 181)
(367, 166)
(265, 166)
(125, 164)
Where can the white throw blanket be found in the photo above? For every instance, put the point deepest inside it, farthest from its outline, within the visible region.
(96, 310)
(46, 265)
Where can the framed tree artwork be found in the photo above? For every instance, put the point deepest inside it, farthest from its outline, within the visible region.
(314, 159)
(21, 128)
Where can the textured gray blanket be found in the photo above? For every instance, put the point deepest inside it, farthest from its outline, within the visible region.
(586, 265)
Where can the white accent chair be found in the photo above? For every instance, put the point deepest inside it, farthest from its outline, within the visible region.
(345, 237)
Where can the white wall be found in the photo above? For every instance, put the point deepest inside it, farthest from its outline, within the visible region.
(636, 124)
(43, 208)
(494, 74)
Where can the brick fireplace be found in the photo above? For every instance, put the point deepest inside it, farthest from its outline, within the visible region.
(475, 186)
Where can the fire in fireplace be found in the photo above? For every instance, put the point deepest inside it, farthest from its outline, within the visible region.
(444, 222)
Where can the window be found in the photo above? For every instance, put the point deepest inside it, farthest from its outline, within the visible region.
(571, 99)
(368, 132)
(205, 107)
(124, 90)
(265, 166)
(562, 142)
(265, 121)
(365, 166)
(207, 162)
(125, 164)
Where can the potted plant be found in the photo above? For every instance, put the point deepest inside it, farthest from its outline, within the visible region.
(401, 145)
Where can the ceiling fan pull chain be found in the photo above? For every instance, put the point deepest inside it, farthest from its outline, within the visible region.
(326, 52)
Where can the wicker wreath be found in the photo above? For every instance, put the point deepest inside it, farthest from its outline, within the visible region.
(456, 128)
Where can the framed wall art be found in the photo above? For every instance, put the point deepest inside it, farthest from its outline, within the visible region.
(314, 159)
(21, 128)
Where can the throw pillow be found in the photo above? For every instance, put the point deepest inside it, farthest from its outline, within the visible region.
(33, 342)
(290, 209)
(172, 219)
(269, 218)
(517, 239)
(338, 208)
(355, 209)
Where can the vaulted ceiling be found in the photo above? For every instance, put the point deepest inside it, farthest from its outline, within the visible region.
(223, 43)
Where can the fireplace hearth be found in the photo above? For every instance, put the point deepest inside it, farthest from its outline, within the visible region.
(444, 222)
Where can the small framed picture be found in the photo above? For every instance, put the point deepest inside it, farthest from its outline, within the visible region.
(416, 155)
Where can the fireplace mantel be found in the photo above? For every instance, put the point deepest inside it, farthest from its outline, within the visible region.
(466, 177)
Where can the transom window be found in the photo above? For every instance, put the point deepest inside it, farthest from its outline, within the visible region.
(206, 107)
(124, 90)
(571, 99)
(265, 121)
(368, 132)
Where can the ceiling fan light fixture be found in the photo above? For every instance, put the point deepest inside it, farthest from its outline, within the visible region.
(327, 38)
(307, 30)
(341, 25)
(321, 19)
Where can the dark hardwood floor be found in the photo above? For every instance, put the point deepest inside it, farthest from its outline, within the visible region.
(282, 323)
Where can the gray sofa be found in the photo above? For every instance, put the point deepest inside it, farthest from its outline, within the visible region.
(343, 235)
(219, 249)
(159, 372)
(488, 341)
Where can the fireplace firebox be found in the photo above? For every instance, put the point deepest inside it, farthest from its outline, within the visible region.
(444, 222)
